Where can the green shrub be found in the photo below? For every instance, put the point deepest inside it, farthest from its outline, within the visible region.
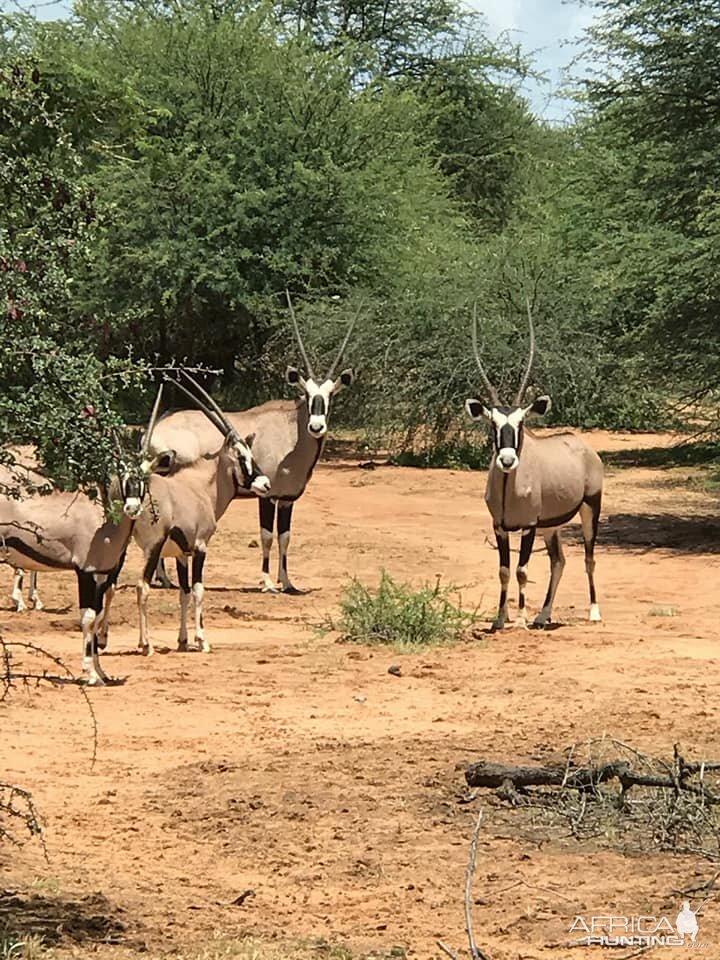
(397, 614)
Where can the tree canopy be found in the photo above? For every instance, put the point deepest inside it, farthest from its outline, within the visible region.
(168, 169)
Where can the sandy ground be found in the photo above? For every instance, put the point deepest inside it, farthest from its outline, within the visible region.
(296, 767)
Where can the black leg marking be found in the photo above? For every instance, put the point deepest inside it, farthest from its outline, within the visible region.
(181, 566)
(152, 561)
(198, 562)
(284, 518)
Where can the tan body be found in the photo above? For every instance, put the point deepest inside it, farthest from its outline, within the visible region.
(69, 531)
(555, 475)
(282, 448)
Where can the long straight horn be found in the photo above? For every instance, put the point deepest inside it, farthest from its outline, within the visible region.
(209, 413)
(227, 426)
(528, 369)
(308, 367)
(153, 419)
(344, 344)
(492, 392)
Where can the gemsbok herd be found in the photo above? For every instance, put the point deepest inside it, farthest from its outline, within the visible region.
(171, 494)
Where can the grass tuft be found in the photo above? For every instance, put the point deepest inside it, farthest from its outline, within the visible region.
(396, 614)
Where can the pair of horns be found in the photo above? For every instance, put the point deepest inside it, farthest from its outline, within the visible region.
(492, 392)
(202, 399)
(340, 352)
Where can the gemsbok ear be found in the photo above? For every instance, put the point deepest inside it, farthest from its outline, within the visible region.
(477, 410)
(161, 464)
(540, 407)
(346, 379)
(294, 377)
(249, 440)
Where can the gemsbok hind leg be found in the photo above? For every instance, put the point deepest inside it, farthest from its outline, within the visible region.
(17, 590)
(590, 518)
(526, 545)
(33, 594)
(267, 522)
(503, 546)
(553, 542)
(143, 592)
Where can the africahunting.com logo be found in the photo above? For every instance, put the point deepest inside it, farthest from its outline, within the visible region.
(639, 931)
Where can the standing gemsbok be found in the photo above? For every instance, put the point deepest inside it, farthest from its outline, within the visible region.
(69, 530)
(185, 507)
(536, 483)
(289, 438)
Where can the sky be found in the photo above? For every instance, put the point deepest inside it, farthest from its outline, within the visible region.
(545, 29)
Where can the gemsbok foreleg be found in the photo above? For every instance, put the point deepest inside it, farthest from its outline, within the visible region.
(267, 523)
(283, 527)
(526, 545)
(181, 565)
(102, 624)
(198, 589)
(590, 517)
(503, 546)
(553, 542)
(91, 587)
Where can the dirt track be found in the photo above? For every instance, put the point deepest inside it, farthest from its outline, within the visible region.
(297, 767)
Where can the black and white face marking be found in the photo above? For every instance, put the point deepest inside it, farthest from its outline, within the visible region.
(133, 489)
(506, 426)
(318, 397)
(250, 476)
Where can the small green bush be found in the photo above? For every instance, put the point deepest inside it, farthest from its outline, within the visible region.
(397, 614)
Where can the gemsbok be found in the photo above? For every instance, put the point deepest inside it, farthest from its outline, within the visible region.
(536, 483)
(289, 438)
(69, 530)
(185, 507)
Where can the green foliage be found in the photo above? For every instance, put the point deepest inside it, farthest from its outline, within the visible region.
(397, 614)
(454, 455)
(56, 392)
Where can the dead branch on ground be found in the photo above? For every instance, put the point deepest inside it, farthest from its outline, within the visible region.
(607, 788)
(475, 952)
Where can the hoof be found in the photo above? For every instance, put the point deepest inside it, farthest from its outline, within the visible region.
(147, 651)
(182, 646)
(292, 591)
(497, 626)
(595, 616)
